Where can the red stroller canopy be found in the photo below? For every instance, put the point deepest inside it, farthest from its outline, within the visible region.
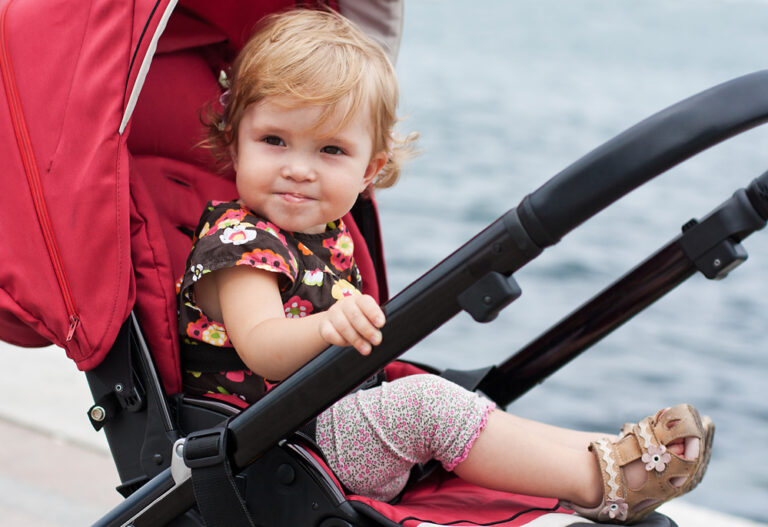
(69, 77)
(101, 186)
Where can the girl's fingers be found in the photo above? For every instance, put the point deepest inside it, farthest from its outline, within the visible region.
(343, 333)
(363, 317)
(354, 321)
(330, 335)
(372, 310)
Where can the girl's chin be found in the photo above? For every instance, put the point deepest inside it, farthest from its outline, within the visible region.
(293, 226)
(316, 229)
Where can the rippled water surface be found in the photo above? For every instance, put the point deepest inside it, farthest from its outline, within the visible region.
(508, 93)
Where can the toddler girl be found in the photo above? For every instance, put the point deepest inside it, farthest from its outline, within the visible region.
(271, 282)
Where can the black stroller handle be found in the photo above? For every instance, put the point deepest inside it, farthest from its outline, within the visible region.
(542, 218)
(641, 153)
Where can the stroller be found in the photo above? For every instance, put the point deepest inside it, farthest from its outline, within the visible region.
(126, 162)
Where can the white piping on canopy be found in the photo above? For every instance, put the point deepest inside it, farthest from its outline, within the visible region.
(141, 77)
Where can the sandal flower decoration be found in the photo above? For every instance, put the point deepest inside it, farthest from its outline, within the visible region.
(615, 509)
(656, 458)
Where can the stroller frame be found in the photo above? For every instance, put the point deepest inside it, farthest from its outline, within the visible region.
(477, 278)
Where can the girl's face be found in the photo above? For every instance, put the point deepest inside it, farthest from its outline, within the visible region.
(299, 177)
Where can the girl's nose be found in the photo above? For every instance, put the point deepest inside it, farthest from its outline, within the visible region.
(299, 168)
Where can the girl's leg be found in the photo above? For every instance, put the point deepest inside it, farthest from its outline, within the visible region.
(563, 436)
(373, 438)
(525, 457)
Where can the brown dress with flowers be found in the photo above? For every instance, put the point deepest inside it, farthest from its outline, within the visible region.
(314, 270)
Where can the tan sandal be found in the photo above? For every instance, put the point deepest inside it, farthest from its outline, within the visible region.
(669, 475)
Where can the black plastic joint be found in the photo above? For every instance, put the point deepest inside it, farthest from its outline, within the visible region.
(488, 296)
(206, 448)
(521, 237)
(721, 260)
(129, 397)
(533, 225)
(713, 244)
(757, 192)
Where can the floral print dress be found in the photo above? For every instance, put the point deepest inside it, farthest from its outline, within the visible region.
(314, 270)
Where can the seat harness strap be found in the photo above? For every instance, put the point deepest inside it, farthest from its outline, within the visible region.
(216, 490)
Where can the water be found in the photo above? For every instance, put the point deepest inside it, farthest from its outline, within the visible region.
(506, 94)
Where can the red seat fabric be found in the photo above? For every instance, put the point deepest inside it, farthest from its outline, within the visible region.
(443, 499)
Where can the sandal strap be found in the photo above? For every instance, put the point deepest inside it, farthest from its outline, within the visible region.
(623, 504)
(635, 440)
(610, 468)
(627, 449)
(613, 506)
(678, 422)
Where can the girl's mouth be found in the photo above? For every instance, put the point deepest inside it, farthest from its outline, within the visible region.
(293, 197)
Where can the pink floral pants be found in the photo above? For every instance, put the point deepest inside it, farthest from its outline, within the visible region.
(372, 438)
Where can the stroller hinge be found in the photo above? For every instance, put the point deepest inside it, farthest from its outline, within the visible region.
(130, 397)
(713, 244)
(180, 472)
(489, 295)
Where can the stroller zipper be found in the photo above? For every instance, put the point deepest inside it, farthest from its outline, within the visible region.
(33, 176)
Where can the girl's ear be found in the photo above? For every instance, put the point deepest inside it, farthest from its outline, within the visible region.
(375, 165)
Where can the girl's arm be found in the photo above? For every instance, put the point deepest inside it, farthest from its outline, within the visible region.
(248, 301)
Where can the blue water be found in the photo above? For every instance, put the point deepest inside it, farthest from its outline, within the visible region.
(507, 93)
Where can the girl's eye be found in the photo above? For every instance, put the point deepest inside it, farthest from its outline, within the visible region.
(333, 150)
(273, 140)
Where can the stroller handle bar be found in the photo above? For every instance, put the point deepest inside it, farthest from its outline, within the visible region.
(476, 272)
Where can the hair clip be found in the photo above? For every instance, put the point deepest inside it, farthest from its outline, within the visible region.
(223, 79)
(224, 102)
(224, 99)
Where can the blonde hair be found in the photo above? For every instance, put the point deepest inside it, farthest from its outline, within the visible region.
(317, 58)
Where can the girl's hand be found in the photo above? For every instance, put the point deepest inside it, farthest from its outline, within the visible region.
(353, 321)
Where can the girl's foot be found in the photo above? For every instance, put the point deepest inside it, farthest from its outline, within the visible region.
(657, 459)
